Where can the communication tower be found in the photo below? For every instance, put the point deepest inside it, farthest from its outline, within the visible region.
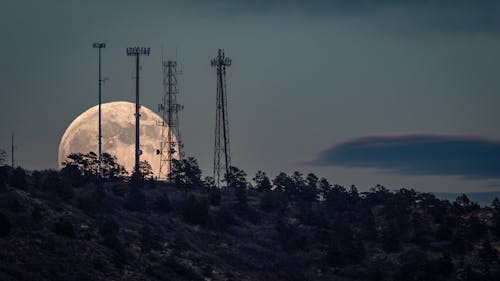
(170, 142)
(222, 152)
(137, 52)
(99, 45)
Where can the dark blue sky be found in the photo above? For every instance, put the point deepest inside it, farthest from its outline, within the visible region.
(306, 75)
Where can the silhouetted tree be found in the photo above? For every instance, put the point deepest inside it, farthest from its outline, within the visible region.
(17, 178)
(72, 175)
(146, 170)
(324, 187)
(337, 200)
(3, 155)
(378, 195)
(112, 170)
(465, 203)
(298, 184)
(209, 183)
(186, 173)
(496, 204)
(52, 183)
(237, 179)
(309, 191)
(281, 181)
(262, 182)
(88, 165)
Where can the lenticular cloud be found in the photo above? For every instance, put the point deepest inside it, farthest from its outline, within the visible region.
(431, 154)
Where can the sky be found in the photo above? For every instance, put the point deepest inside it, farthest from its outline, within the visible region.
(361, 92)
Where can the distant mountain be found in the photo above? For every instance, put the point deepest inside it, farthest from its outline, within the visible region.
(482, 198)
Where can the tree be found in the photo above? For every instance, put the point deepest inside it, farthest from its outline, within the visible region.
(309, 191)
(17, 178)
(237, 179)
(262, 182)
(111, 169)
(281, 181)
(324, 187)
(465, 203)
(297, 185)
(52, 183)
(209, 182)
(88, 165)
(496, 204)
(146, 170)
(3, 155)
(186, 173)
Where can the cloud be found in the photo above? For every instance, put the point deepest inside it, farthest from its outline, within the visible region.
(449, 14)
(429, 154)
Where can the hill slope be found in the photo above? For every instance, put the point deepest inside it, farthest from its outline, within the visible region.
(50, 230)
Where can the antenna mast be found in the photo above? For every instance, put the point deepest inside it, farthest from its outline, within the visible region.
(12, 150)
(137, 52)
(221, 151)
(171, 147)
(99, 46)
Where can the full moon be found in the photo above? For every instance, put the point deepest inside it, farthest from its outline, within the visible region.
(118, 134)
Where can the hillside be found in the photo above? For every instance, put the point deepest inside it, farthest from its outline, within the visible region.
(59, 227)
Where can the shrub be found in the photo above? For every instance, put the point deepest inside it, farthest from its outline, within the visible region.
(64, 228)
(290, 237)
(17, 178)
(194, 211)
(94, 203)
(107, 226)
(223, 219)
(5, 225)
(215, 197)
(136, 200)
(119, 190)
(53, 183)
(162, 204)
(347, 252)
(273, 201)
(37, 213)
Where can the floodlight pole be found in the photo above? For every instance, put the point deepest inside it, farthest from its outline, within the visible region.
(99, 46)
(137, 51)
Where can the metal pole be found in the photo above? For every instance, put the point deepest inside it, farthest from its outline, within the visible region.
(137, 51)
(100, 135)
(12, 149)
(99, 45)
(137, 159)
